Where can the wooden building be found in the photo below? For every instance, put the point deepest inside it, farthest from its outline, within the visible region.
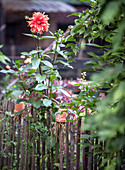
(13, 25)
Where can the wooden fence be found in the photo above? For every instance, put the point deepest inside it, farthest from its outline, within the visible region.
(26, 147)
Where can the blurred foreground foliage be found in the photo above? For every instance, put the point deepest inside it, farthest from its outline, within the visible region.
(105, 21)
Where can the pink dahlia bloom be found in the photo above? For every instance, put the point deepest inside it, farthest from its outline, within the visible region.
(38, 23)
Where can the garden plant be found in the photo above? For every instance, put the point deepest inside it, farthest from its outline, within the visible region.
(98, 111)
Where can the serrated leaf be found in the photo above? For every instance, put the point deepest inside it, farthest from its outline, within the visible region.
(47, 102)
(35, 62)
(41, 87)
(47, 63)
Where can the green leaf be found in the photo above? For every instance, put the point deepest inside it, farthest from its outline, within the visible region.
(64, 92)
(40, 87)
(8, 71)
(17, 92)
(50, 142)
(37, 104)
(94, 55)
(3, 58)
(91, 63)
(96, 146)
(76, 14)
(94, 45)
(17, 113)
(65, 64)
(70, 38)
(40, 78)
(47, 63)
(90, 39)
(34, 52)
(25, 69)
(120, 91)
(75, 29)
(25, 53)
(20, 100)
(47, 102)
(111, 10)
(1, 46)
(47, 37)
(35, 62)
(31, 35)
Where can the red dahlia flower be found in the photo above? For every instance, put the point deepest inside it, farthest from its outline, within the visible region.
(39, 22)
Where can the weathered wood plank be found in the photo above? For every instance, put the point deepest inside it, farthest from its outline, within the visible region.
(18, 143)
(72, 142)
(78, 145)
(67, 144)
(61, 145)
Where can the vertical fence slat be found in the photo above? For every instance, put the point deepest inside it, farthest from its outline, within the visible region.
(48, 128)
(27, 140)
(13, 128)
(95, 157)
(34, 143)
(51, 154)
(61, 145)
(1, 140)
(23, 144)
(72, 142)
(56, 144)
(78, 145)
(4, 160)
(83, 159)
(43, 141)
(18, 143)
(38, 152)
(43, 153)
(9, 109)
(67, 144)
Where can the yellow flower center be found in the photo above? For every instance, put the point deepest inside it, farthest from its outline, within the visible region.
(38, 22)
